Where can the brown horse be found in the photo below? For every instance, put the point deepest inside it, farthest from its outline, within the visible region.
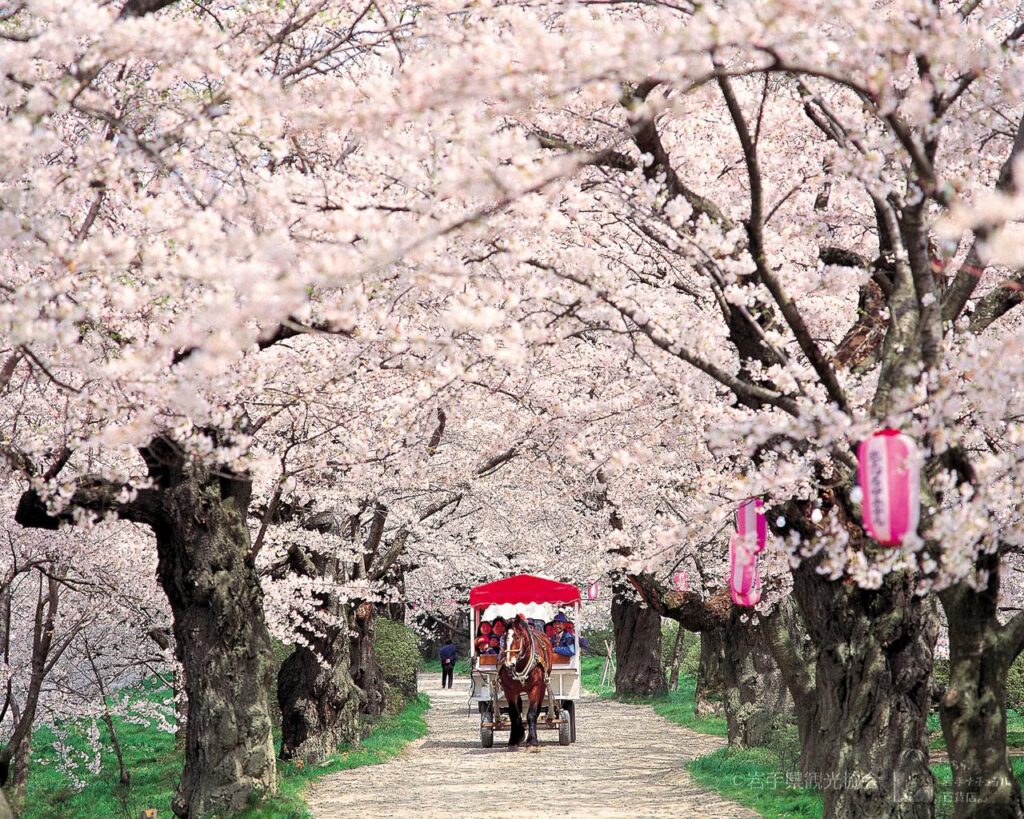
(524, 666)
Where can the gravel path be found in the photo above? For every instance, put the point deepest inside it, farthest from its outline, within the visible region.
(627, 762)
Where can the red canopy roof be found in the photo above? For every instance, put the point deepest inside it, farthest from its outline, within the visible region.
(523, 588)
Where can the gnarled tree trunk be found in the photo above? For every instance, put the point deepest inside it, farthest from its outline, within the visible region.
(221, 639)
(637, 629)
(366, 670)
(319, 705)
(205, 567)
(973, 707)
(791, 647)
(755, 695)
(873, 689)
(319, 702)
(710, 689)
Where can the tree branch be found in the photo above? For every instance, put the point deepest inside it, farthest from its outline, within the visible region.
(793, 317)
(686, 608)
(98, 495)
(289, 328)
(969, 275)
(140, 8)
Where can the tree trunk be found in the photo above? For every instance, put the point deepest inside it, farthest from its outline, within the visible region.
(873, 690)
(107, 719)
(206, 568)
(19, 772)
(710, 673)
(180, 710)
(366, 670)
(637, 647)
(755, 695)
(16, 749)
(221, 640)
(677, 658)
(319, 702)
(791, 647)
(973, 707)
(707, 616)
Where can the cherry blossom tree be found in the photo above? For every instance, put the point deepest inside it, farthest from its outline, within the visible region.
(662, 256)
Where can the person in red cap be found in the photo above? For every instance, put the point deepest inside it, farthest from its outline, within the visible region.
(483, 645)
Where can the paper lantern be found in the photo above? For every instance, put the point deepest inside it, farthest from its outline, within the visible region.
(681, 581)
(744, 571)
(592, 591)
(751, 522)
(888, 471)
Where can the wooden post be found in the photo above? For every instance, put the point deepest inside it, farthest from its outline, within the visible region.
(677, 659)
(609, 663)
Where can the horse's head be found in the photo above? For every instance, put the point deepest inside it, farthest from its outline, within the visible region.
(516, 640)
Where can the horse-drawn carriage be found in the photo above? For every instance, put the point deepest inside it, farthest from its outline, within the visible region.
(535, 599)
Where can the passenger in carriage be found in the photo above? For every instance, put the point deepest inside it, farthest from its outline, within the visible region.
(499, 629)
(496, 644)
(563, 642)
(483, 646)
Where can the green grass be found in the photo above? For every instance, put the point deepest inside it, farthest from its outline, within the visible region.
(676, 706)
(590, 676)
(753, 778)
(433, 666)
(1014, 731)
(150, 756)
(386, 741)
(155, 768)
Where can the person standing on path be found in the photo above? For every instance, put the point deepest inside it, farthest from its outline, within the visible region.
(448, 652)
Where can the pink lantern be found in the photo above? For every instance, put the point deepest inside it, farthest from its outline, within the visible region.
(592, 591)
(744, 574)
(751, 522)
(889, 476)
(681, 581)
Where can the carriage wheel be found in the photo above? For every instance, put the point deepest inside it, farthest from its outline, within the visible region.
(570, 707)
(565, 727)
(486, 734)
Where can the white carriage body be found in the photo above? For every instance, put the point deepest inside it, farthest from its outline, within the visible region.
(564, 680)
(533, 597)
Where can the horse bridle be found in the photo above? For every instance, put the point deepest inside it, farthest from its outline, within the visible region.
(517, 675)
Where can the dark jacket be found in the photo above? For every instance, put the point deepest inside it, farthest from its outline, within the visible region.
(448, 653)
(564, 644)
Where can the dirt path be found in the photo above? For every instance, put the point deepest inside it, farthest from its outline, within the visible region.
(627, 762)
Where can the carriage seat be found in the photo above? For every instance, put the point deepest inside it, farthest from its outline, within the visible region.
(560, 659)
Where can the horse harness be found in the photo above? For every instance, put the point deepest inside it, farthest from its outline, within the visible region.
(535, 660)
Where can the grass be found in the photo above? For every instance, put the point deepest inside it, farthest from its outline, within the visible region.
(150, 756)
(1014, 731)
(155, 768)
(753, 777)
(433, 666)
(676, 706)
